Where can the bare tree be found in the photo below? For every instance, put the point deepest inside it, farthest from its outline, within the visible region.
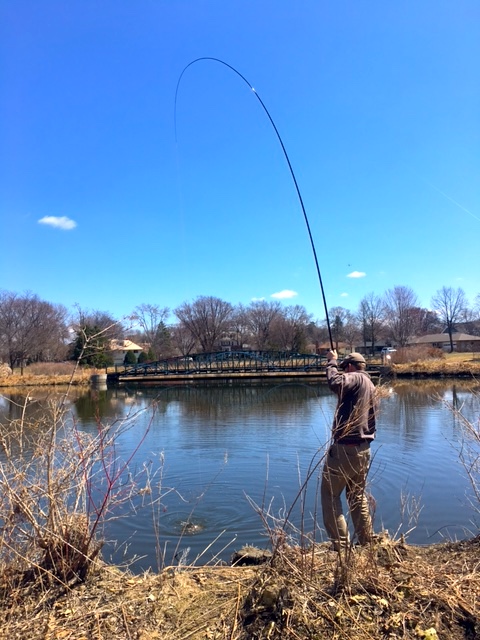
(290, 328)
(371, 316)
(400, 318)
(470, 318)
(425, 321)
(450, 304)
(317, 334)
(102, 320)
(182, 339)
(152, 321)
(207, 318)
(261, 316)
(31, 329)
(338, 318)
(351, 330)
(52, 333)
(476, 305)
(240, 326)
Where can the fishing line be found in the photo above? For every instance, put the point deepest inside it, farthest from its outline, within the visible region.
(289, 166)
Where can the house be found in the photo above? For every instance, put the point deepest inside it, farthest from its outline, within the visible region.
(367, 349)
(120, 348)
(462, 342)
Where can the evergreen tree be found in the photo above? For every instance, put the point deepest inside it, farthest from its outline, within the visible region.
(91, 347)
(130, 358)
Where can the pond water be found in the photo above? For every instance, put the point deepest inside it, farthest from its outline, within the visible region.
(228, 464)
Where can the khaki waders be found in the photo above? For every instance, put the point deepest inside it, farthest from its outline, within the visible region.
(346, 468)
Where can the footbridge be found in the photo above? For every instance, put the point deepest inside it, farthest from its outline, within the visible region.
(224, 366)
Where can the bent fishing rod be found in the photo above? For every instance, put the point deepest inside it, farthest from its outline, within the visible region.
(289, 166)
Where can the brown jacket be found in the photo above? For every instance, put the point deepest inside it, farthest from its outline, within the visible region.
(354, 420)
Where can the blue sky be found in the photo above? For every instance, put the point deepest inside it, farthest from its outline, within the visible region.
(103, 205)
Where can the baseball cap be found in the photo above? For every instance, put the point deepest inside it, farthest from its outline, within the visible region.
(352, 358)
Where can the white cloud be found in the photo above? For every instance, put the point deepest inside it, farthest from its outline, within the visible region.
(357, 274)
(61, 222)
(284, 295)
(257, 299)
(344, 295)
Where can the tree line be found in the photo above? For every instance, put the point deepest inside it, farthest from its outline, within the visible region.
(34, 330)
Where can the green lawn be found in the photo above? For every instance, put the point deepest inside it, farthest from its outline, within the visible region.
(462, 357)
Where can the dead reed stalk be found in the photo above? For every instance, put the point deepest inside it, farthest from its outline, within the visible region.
(58, 488)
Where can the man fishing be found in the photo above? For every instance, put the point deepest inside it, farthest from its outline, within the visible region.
(348, 458)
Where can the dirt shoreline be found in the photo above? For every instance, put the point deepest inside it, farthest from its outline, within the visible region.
(391, 590)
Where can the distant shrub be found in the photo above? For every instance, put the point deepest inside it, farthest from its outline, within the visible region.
(5, 370)
(143, 357)
(130, 358)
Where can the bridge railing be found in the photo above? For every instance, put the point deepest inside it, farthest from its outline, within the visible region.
(226, 362)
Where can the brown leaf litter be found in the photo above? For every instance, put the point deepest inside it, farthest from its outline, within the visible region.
(389, 590)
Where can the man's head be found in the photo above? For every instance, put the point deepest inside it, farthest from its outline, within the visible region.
(355, 359)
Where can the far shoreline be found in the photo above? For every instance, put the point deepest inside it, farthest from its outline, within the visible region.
(438, 368)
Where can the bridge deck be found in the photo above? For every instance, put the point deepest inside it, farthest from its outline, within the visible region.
(225, 367)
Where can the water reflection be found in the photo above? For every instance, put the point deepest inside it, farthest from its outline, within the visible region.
(210, 448)
(101, 404)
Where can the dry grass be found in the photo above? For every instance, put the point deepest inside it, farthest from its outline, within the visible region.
(391, 590)
(58, 487)
(462, 357)
(48, 374)
(446, 368)
(427, 361)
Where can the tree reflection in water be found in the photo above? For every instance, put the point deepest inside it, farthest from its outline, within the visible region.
(220, 444)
